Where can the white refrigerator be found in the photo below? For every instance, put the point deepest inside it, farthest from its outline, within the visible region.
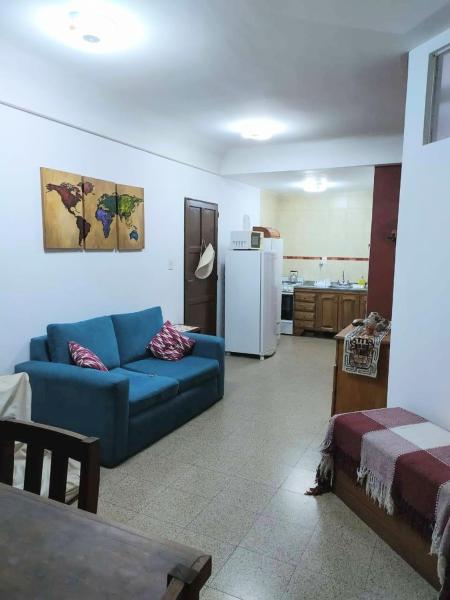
(252, 290)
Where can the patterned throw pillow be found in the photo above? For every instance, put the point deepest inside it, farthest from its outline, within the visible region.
(170, 344)
(83, 357)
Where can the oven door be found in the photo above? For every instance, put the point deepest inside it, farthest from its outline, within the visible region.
(287, 306)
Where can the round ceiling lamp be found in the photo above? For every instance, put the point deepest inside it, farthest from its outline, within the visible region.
(258, 129)
(314, 184)
(91, 25)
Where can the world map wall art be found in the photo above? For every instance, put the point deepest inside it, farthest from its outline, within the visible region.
(83, 212)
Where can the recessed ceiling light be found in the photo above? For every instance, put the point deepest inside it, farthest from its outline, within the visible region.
(258, 129)
(91, 25)
(314, 184)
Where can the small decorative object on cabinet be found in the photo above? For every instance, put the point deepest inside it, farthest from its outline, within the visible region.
(356, 392)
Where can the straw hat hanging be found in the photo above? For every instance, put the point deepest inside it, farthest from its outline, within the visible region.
(206, 262)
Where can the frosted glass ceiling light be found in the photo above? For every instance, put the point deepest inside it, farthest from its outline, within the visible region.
(258, 129)
(91, 25)
(314, 184)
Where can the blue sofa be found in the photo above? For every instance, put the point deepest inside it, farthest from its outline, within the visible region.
(139, 400)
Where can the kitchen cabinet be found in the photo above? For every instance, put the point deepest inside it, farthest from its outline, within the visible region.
(325, 310)
(362, 307)
(349, 309)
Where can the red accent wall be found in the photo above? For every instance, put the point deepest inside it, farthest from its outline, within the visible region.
(386, 195)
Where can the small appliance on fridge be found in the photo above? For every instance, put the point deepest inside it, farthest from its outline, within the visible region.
(252, 301)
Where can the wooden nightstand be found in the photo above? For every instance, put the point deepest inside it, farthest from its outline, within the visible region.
(357, 392)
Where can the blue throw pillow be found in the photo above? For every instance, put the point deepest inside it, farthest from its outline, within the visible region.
(96, 334)
(134, 331)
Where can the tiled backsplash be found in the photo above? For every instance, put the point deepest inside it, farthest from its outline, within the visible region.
(332, 269)
(334, 224)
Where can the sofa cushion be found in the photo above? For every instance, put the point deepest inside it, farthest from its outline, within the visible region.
(96, 334)
(83, 357)
(169, 344)
(134, 330)
(189, 371)
(147, 390)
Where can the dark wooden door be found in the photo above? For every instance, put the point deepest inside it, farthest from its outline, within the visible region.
(200, 295)
(386, 193)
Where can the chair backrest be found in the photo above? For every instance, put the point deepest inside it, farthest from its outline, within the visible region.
(63, 445)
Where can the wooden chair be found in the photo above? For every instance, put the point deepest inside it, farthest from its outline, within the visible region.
(63, 445)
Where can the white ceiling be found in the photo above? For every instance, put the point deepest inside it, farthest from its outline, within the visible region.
(344, 179)
(326, 68)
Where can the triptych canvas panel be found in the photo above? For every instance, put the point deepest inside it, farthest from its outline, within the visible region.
(84, 212)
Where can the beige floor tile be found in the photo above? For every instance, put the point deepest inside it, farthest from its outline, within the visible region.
(152, 527)
(220, 551)
(246, 494)
(131, 493)
(314, 585)
(209, 593)
(295, 507)
(391, 577)
(223, 521)
(112, 512)
(262, 470)
(277, 538)
(299, 480)
(176, 506)
(202, 481)
(252, 576)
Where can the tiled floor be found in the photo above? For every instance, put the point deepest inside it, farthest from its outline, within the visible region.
(231, 483)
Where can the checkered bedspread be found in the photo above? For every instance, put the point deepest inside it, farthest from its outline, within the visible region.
(400, 458)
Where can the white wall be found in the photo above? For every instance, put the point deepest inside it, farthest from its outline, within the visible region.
(40, 287)
(321, 154)
(46, 88)
(420, 353)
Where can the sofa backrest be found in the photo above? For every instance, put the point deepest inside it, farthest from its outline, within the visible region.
(96, 334)
(134, 331)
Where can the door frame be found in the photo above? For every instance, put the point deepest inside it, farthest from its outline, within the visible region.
(214, 206)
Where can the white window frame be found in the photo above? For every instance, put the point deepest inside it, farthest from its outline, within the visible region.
(430, 107)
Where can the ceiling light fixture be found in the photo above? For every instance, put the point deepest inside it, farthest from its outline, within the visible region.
(91, 25)
(314, 184)
(258, 129)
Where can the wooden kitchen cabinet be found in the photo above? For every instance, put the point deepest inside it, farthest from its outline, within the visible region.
(327, 312)
(349, 309)
(362, 307)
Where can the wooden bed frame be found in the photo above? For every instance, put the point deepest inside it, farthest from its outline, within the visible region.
(408, 543)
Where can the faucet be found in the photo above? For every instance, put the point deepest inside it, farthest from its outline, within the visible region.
(343, 277)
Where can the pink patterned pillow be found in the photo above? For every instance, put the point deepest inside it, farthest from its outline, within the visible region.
(83, 357)
(170, 344)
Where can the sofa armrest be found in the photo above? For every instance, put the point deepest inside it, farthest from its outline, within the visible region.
(211, 346)
(87, 401)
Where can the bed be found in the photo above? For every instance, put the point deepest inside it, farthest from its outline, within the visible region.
(392, 468)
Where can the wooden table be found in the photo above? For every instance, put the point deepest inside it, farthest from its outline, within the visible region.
(358, 392)
(50, 551)
(187, 328)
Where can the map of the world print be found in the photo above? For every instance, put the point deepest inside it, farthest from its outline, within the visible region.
(84, 212)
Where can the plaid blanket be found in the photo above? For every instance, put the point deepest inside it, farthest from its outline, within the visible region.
(403, 461)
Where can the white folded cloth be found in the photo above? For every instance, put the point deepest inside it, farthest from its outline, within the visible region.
(15, 401)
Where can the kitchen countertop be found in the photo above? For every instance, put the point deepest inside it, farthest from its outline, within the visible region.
(330, 288)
